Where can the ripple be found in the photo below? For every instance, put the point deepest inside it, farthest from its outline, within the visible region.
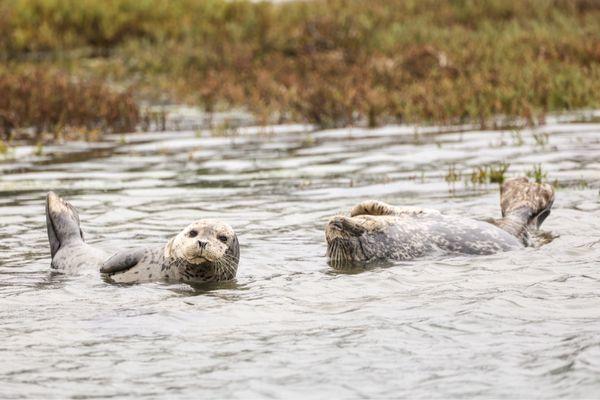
(519, 324)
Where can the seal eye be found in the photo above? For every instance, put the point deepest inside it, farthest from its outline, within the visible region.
(222, 238)
(193, 233)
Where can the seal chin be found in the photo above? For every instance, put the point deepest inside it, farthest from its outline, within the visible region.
(194, 255)
(198, 260)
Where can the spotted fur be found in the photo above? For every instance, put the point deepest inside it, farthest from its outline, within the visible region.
(525, 205)
(154, 264)
(183, 259)
(376, 230)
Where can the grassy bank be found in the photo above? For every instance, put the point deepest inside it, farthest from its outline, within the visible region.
(333, 62)
(53, 105)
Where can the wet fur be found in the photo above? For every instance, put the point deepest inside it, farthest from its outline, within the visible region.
(68, 249)
(155, 264)
(71, 254)
(376, 230)
(525, 206)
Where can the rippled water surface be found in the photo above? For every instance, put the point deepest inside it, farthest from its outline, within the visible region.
(524, 323)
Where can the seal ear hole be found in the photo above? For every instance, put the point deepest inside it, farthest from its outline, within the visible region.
(222, 238)
(193, 233)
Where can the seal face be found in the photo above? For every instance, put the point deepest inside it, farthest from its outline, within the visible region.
(375, 230)
(205, 251)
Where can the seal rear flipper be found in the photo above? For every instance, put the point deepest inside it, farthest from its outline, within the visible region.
(122, 261)
(62, 223)
(529, 201)
(52, 238)
(525, 205)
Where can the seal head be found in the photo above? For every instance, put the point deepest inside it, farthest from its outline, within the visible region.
(371, 232)
(206, 243)
(345, 238)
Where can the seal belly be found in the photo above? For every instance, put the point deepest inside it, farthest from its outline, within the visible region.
(410, 236)
(469, 236)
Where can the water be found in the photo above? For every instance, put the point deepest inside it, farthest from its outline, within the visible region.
(519, 324)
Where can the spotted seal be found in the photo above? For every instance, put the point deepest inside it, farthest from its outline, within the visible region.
(204, 251)
(376, 230)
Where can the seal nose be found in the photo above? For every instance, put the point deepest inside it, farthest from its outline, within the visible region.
(335, 224)
(202, 244)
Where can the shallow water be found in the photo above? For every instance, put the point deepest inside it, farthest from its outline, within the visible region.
(519, 324)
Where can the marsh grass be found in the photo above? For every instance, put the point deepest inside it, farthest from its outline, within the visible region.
(4, 148)
(497, 172)
(225, 129)
(541, 138)
(331, 62)
(39, 149)
(453, 175)
(479, 176)
(538, 174)
(493, 173)
(517, 138)
(37, 103)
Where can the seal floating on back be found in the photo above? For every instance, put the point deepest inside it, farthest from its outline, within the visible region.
(376, 230)
(205, 251)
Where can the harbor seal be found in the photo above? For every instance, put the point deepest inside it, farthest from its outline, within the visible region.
(378, 231)
(205, 251)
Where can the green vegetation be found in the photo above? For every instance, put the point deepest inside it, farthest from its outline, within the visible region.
(493, 173)
(538, 174)
(331, 62)
(479, 176)
(452, 176)
(39, 149)
(3, 148)
(497, 173)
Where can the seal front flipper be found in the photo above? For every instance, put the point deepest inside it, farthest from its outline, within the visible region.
(375, 207)
(122, 261)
